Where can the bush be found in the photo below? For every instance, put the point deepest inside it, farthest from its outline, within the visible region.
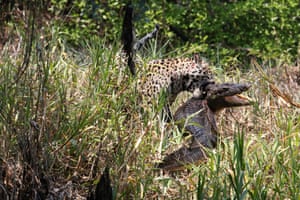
(225, 31)
(230, 28)
(79, 19)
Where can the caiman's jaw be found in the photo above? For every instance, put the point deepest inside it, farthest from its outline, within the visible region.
(238, 100)
(220, 103)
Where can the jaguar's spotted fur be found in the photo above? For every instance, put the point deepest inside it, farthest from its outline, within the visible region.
(173, 76)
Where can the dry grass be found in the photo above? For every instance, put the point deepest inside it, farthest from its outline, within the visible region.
(73, 113)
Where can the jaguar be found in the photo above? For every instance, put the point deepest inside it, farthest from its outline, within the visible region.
(172, 76)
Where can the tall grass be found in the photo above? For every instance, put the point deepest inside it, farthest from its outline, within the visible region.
(72, 112)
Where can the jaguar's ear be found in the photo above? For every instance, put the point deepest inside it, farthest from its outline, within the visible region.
(200, 60)
(196, 58)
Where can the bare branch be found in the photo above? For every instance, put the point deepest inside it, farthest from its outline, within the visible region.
(144, 39)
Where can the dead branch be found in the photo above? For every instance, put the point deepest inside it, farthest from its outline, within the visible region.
(144, 39)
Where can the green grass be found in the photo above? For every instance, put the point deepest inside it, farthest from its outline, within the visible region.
(88, 114)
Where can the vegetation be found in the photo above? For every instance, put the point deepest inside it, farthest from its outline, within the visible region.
(225, 31)
(69, 108)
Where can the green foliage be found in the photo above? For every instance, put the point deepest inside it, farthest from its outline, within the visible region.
(226, 32)
(266, 29)
(79, 19)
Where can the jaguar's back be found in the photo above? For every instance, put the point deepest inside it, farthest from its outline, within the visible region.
(173, 76)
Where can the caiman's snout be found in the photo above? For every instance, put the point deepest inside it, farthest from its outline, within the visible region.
(229, 96)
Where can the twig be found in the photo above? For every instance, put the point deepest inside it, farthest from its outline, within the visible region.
(144, 39)
(275, 90)
(30, 35)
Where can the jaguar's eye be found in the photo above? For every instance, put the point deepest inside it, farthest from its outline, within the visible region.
(187, 82)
